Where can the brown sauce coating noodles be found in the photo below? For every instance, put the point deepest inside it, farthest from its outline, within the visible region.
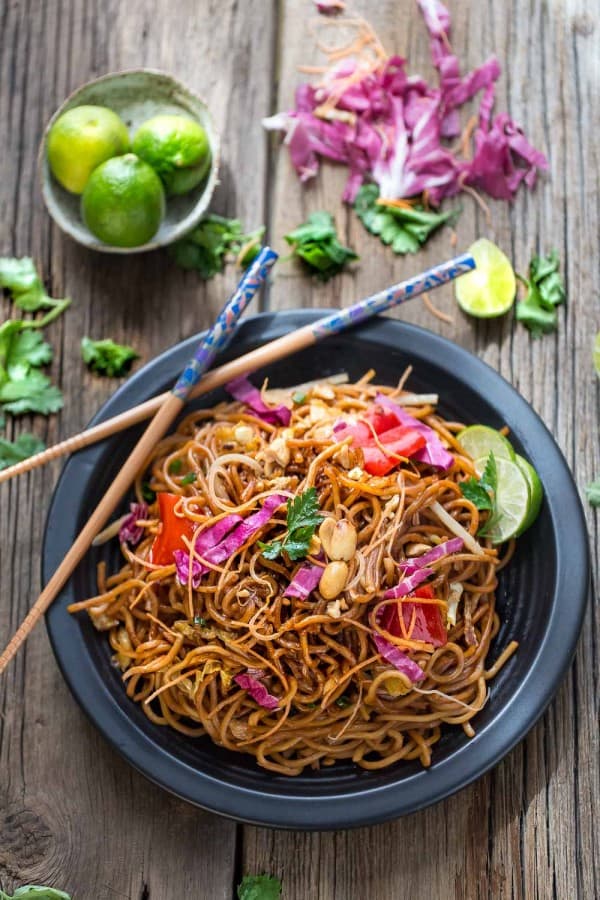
(180, 647)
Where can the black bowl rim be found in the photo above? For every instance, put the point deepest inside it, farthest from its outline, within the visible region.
(366, 805)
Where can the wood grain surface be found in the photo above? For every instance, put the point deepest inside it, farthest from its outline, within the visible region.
(72, 813)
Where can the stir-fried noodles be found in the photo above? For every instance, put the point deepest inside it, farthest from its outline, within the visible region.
(349, 624)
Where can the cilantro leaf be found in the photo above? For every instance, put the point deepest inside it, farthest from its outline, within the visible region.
(207, 246)
(316, 243)
(593, 493)
(482, 492)
(259, 887)
(26, 350)
(35, 892)
(33, 393)
(25, 445)
(404, 228)
(20, 278)
(545, 291)
(106, 357)
(303, 517)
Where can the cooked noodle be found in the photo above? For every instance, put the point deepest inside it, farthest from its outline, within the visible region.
(180, 647)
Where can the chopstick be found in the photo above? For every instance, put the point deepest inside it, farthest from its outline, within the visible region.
(264, 355)
(172, 404)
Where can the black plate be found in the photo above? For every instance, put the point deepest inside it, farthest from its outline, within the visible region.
(550, 568)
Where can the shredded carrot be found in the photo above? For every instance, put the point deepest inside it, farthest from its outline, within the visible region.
(399, 204)
(444, 317)
(478, 200)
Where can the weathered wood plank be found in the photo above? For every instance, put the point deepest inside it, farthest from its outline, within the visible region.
(71, 812)
(527, 829)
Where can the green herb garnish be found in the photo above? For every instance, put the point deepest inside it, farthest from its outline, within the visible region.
(303, 517)
(259, 887)
(207, 246)
(593, 493)
(25, 445)
(35, 892)
(299, 397)
(545, 291)
(316, 243)
(20, 278)
(482, 493)
(189, 478)
(404, 229)
(22, 387)
(175, 466)
(343, 701)
(200, 620)
(106, 357)
(147, 493)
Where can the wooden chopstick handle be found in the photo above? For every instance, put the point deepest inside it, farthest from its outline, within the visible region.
(136, 460)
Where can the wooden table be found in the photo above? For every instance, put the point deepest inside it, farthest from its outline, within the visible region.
(72, 813)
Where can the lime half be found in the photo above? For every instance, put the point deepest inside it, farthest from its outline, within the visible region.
(536, 492)
(479, 440)
(489, 290)
(512, 500)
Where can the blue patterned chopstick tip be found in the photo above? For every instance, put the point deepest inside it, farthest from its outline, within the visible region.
(393, 296)
(219, 336)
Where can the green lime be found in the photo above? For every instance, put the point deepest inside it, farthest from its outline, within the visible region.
(536, 492)
(80, 140)
(597, 353)
(479, 440)
(489, 290)
(123, 202)
(512, 499)
(177, 148)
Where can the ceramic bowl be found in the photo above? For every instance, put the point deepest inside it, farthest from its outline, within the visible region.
(136, 96)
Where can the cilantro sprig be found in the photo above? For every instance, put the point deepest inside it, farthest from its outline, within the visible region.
(316, 243)
(593, 493)
(482, 493)
(545, 291)
(207, 246)
(303, 517)
(24, 446)
(259, 887)
(20, 278)
(107, 357)
(405, 229)
(23, 388)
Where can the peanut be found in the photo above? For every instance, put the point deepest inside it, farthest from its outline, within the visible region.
(342, 544)
(333, 579)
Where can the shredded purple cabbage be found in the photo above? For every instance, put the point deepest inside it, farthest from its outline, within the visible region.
(130, 532)
(408, 584)
(398, 659)
(433, 453)
(243, 531)
(304, 581)
(257, 691)
(182, 564)
(393, 126)
(241, 389)
(330, 7)
(454, 545)
(208, 539)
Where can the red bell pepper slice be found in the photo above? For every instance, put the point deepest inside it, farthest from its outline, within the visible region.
(173, 529)
(429, 624)
(397, 440)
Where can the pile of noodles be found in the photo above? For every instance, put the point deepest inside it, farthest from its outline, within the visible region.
(181, 647)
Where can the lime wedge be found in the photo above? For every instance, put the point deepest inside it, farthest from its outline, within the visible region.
(479, 440)
(512, 500)
(536, 492)
(489, 290)
(597, 353)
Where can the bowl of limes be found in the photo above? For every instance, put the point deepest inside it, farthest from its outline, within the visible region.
(129, 162)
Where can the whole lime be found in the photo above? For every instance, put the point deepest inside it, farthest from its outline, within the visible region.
(177, 148)
(123, 202)
(80, 140)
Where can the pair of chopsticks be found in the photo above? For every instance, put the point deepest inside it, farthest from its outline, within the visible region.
(193, 382)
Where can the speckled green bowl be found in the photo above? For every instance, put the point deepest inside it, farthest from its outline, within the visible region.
(135, 95)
